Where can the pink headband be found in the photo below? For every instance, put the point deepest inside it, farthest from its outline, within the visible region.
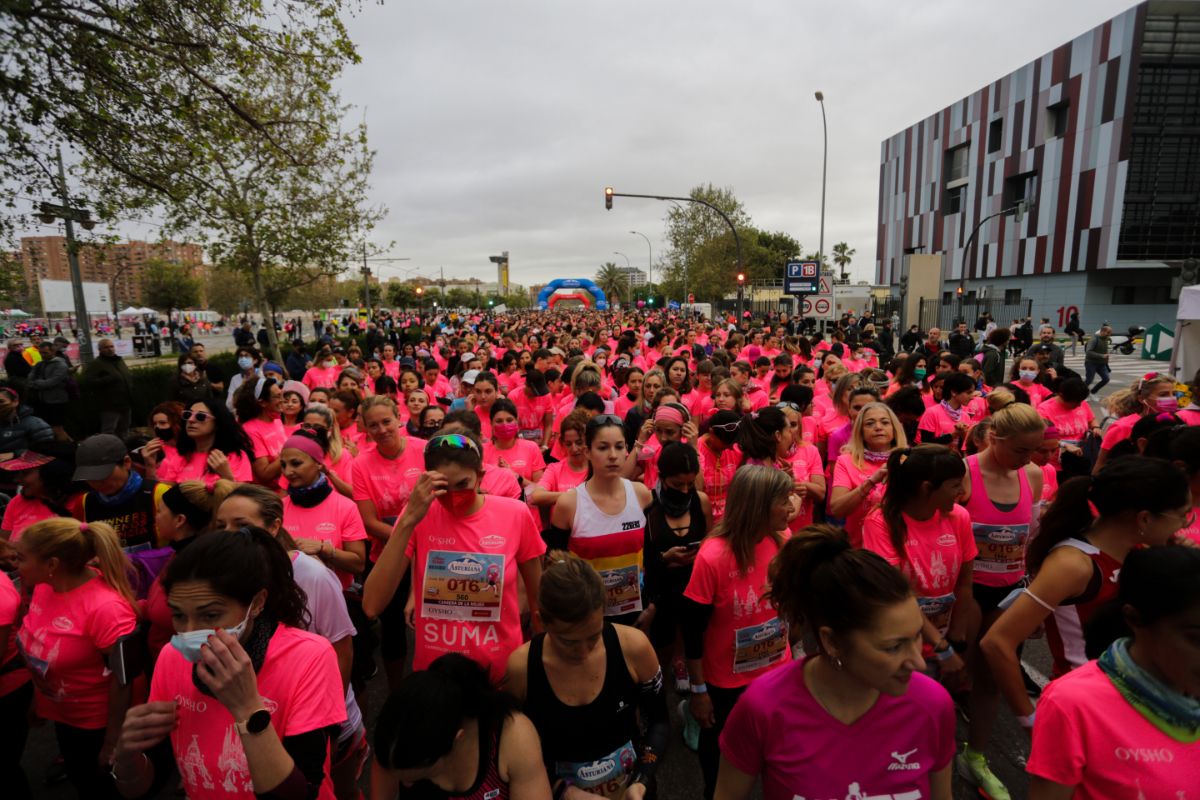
(305, 445)
(1051, 432)
(666, 413)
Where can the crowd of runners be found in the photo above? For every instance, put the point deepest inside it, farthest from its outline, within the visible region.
(833, 555)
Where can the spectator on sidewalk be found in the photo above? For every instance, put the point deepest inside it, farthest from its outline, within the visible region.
(15, 365)
(20, 428)
(961, 344)
(110, 387)
(1095, 359)
(48, 386)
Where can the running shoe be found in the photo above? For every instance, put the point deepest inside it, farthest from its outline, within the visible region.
(973, 768)
(682, 683)
(691, 728)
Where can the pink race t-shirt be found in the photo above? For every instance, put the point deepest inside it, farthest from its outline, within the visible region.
(266, 436)
(63, 638)
(299, 684)
(559, 477)
(717, 470)
(177, 468)
(848, 474)
(335, 520)
(10, 605)
(387, 482)
(937, 420)
(321, 377)
(1072, 423)
(1088, 736)
(1119, 431)
(524, 457)
(806, 467)
(20, 513)
(745, 637)
(935, 552)
(465, 572)
(778, 730)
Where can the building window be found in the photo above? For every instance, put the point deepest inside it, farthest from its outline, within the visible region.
(1056, 119)
(1012, 297)
(1020, 187)
(954, 200)
(1141, 295)
(996, 136)
(947, 297)
(957, 164)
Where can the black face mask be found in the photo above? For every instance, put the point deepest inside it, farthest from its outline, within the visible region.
(673, 501)
(166, 434)
(428, 432)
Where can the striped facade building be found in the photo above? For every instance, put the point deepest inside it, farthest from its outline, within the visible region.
(1101, 140)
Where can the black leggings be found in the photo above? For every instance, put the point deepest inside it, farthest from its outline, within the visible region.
(80, 749)
(393, 627)
(14, 730)
(709, 751)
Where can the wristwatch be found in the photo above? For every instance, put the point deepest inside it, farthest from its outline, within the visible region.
(254, 724)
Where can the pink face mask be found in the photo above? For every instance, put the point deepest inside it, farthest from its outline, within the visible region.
(505, 430)
(458, 501)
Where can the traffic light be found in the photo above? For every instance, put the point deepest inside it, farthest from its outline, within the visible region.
(650, 300)
(959, 291)
(1189, 273)
(608, 196)
(420, 290)
(491, 302)
(741, 278)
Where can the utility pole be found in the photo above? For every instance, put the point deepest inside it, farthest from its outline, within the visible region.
(366, 273)
(48, 212)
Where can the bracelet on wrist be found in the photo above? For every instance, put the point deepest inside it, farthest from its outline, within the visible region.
(945, 655)
(112, 770)
(699, 688)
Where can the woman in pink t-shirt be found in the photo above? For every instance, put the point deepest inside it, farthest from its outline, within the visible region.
(1075, 560)
(1069, 412)
(339, 463)
(921, 530)
(45, 482)
(1151, 394)
(562, 476)
(631, 392)
(76, 616)
(257, 407)
(948, 421)
(16, 692)
(507, 449)
(291, 405)
(323, 523)
(857, 718)
(211, 443)
(1127, 724)
(1025, 373)
(732, 633)
(861, 471)
(719, 458)
(466, 550)
(243, 701)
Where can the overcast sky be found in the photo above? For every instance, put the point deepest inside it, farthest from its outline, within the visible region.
(498, 124)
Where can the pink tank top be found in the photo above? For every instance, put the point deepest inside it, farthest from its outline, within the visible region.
(1001, 536)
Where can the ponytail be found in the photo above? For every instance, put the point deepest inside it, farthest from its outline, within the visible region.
(1126, 485)
(76, 544)
(818, 580)
(907, 469)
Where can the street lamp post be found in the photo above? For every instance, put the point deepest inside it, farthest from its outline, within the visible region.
(824, 163)
(629, 271)
(649, 260)
(1018, 212)
(609, 194)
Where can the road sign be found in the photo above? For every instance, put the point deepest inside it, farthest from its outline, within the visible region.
(801, 277)
(817, 307)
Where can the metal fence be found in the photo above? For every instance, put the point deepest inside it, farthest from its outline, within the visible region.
(944, 314)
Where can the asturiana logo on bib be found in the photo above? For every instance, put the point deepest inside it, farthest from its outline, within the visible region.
(597, 770)
(465, 566)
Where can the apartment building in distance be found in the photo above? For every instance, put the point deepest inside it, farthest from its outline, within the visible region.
(119, 265)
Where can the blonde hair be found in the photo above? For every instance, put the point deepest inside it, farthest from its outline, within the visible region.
(835, 371)
(594, 379)
(747, 510)
(76, 544)
(198, 494)
(1124, 402)
(856, 447)
(332, 431)
(999, 398)
(375, 401)
(1016, 419)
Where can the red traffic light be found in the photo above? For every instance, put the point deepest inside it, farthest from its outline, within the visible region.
(959, 291)
(608, 196)
(741, 277)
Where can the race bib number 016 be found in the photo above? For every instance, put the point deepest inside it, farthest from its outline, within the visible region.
(463, 586)
(758, 646)
(622, 577)
(1001, 548)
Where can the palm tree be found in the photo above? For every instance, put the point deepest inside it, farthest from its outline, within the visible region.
(842, 255)
(612, 281)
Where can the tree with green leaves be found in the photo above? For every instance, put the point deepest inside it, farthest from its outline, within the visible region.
(701, 254)
(613, 282)
(124, 84)
(169, 285)
(843, 254)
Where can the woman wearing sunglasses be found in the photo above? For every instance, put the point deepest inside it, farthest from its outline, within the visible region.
(211, 443)
(602, 520)
(1076, 558)
(465, 550)
(719, 459)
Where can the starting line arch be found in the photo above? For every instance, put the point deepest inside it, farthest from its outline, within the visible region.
(580, 289)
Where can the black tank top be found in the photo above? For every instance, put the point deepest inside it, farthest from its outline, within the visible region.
(662, 538)
(488, 783)
(591, 746)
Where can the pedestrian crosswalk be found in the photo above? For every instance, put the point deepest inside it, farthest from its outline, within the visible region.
(1125, 369)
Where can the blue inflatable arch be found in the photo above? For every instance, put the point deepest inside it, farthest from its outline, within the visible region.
(587, 290)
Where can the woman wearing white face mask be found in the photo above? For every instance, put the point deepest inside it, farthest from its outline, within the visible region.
(243, 700)
(248, 360)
